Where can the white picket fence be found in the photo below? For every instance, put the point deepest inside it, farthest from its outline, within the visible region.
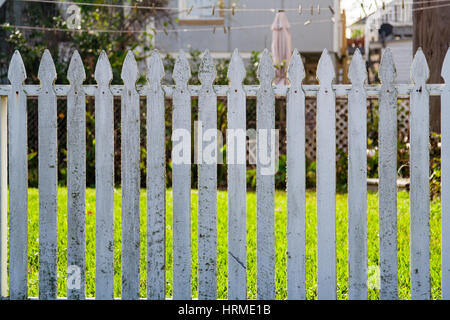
(14, 108)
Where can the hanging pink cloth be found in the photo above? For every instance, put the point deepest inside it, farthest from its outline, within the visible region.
(281, 46)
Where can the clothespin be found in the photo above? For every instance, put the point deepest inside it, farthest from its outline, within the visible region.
(213, 9)
(233, 6)
(331, 9)
(153, 9)
(189, 10)
(312, 10)
(403, 4)
(214, 30)
(307, 22)
(224, 29)
(299, 9)
(165, 31)
(318, 9)
(384, 6)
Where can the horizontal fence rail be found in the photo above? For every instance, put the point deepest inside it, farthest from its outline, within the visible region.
(13, 151)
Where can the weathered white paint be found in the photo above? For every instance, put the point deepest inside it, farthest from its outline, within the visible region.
(131, 182)
(265, 183)
(296, 272)
(387, 190)
(76, 174)
(445, 178)
(18, 180)
(104, 181)
(311, 90)
(207, 183)
(181, 185)
(326, 180)
(48, 179)
(357, 180)
(3, 196)
(420, 187)
(237, 183)
(156, 182)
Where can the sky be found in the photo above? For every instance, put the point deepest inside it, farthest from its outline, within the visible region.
(354, 11)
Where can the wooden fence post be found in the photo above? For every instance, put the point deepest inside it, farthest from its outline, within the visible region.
(18, 180)
(296, 182)
(326, 180)
(104, 181)
(387, 169)
(48, 179)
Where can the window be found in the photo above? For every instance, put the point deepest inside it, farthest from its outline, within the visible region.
(201, 13)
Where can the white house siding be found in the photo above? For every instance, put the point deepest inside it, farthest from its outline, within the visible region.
(310, 38)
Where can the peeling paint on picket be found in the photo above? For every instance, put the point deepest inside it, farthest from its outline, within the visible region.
(387, 170)
(265, 181)
(296, 189)
(15, 96)
(48, 180)
(156, 181)
(131, 181)
(237, 183)
(181, 181)
(76, 180)
(104, 181)
(357, 180)
(326, 180)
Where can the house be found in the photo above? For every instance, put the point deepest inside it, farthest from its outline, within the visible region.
(250, 30)
(390, 28)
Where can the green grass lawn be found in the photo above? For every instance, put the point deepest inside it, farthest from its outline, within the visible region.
(222, 220)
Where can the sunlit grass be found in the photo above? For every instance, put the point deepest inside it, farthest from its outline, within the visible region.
(222, 221)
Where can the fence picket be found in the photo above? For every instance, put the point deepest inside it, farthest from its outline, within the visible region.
(181, 180)
(265, 180)
(18, 179)
(104, 181)
(207, 181)
(156, 184)
(326, 180)
(48, 178)
(131, 153)
(420, 188)
(296, 272)
(237, 184)
(76, 180)
(387, 169)
(357, 180)
(445, 178)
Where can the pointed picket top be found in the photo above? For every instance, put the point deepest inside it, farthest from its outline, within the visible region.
(296, 70)
(357, 70)
(16, 72)
(181, 70)
(236, 69)
(103, 71)
(47, 70)
(130, 71)
(419, 68)
(387, 67)
(266, 70)
(445, 72)
(76, 73)
(325, 69)
(207, 71)
(155, 69)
